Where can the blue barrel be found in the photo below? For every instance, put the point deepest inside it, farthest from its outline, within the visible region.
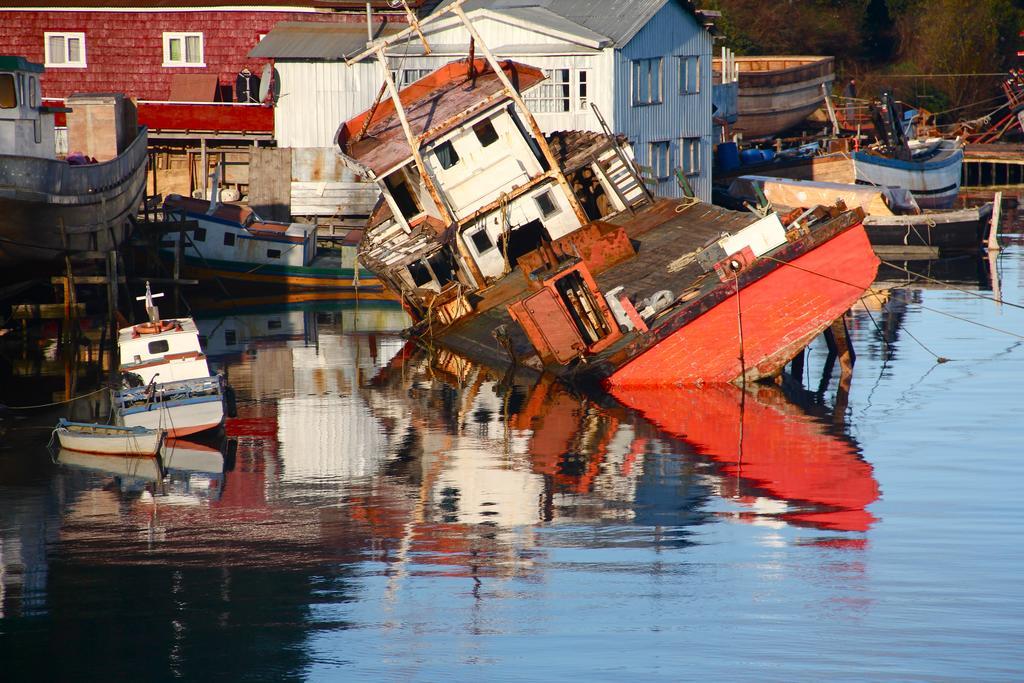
(751, 156)
(728, 156)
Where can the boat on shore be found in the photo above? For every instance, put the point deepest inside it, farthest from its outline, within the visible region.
(893, 218)
(233, 243)
(108, 439)
(777, 93)
(187, 399)
(50, 207)
(498, 257)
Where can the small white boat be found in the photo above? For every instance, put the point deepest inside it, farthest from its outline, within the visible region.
(168, 381)
(108, 439)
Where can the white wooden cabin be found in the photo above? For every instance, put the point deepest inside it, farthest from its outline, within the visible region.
(646, 65)
(168, 350)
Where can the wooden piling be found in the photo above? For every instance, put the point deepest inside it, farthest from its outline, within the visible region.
(993, 231)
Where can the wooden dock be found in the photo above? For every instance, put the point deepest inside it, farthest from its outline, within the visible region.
(997, 164)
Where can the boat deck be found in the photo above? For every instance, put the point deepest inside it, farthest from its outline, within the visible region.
(666, 238)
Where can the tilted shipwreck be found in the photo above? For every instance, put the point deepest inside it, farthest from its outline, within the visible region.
(509, 245)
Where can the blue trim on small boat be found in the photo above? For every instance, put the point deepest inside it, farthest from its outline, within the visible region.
(872, 160)
(942, 190)
(138, 429)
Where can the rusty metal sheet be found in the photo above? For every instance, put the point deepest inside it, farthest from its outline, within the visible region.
(548, 326)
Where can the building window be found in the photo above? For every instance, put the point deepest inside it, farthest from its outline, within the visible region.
(482, 241)
(410, 76)
(546, 204)
(274, 324)
(552, 94)
(199, 235)
(583, 88)
(183, 49)
(229, 239)
(446, 155)
(485, 132)
(661, 165)
(159, 346)
(230, 337)
(65, 50)
(647, 78)
(689, 152)
(273, 253)
(8, 93)
(689, 75)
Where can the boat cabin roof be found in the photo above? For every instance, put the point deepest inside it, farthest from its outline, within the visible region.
(433, 105)
(17, 63)
(168, 327)
(242, 215)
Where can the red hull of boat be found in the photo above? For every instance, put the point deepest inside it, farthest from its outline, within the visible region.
(781, 313)
(767, 447)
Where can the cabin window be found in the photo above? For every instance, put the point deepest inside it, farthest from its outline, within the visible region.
(661, 162)
(420, 273)
(410, 76)
(647, 79)
(183, 49)
(229, 239)
(274, 324)
(402, 194)
(689, 75)
(446, 155)
(546, 204)
(230, 337)
(481, 241)
(689, 152)
(8, 92)
(33, 93)
(273, 253)
(485, 132)
(64, 50)
(443, 266)
(583, 88)
(552, 94)
(159, 346)
(199, 235)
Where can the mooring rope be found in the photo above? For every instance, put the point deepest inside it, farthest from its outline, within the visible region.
(954, 287)
(56, 403)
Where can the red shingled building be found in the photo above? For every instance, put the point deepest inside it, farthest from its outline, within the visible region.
(102, 46)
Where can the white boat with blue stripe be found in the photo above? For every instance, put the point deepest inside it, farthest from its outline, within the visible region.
(932, 174)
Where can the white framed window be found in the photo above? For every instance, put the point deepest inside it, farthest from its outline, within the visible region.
(410, 76)
(583, 88)
(183, 49)
(647, 81)
(689, 155)
(552, 95)
(661, 159)
(689, 75)
(64, 50)
(546, 204)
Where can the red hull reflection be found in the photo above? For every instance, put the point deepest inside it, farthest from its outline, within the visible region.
(765, 445)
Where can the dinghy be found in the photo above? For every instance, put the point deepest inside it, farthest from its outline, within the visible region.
(108, 439)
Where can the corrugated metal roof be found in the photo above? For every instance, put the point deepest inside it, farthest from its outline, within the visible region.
(617, 20)
(323, 41)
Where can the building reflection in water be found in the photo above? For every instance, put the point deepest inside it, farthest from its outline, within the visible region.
(351, 446)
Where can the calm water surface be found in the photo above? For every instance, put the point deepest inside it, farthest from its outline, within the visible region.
(377, 512)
